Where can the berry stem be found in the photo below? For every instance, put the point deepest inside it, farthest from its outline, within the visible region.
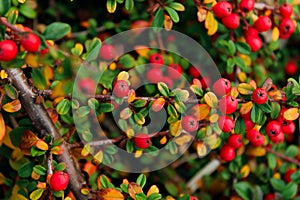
(282, 156)
(4, 22)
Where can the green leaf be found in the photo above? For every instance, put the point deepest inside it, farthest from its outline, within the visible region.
(11, 91)
(240, 62)
(289, 190)
(243, 48)
(266, 108)
(230, 65)
(296, 177)
(127, 61)
(39, 79)
(4, 6)
(173, 14)
(171, 188)
(231, 48)
(83, 111)
(141, 180)
(93, 49)
(129, 5)
(27, 11)
(141, 196)
(163, 89)
(244, 190)
(63, 107)
(256, 114)
(158, 20)
(106, 107)
(291, 151)
(277, 184)
(139, 118)
(271, 160)
(172, 111)
(38, 169)
(240, 126)
(105, 182)
(176, 6)
(111, 6)
(56, 30)
(139, 103)
(26, 170)
(275, 110)
(36, 194)
(180, 95)
(154, 196)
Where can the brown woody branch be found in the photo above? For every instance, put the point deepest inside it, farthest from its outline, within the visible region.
(282, 156)
(42, 122)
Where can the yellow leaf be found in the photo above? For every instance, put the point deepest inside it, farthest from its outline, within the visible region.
(291, 114)
(133, 189)
(35, 176)
(277, 175)
(98, 158)
(183, 139)
(21, 1)
(245, 170)
(28, 140)
(86, 150)
(163, 140)
(201, 149)
(142, 50)
(85, 191)
(246, 59)
(123, 76)
(36, 194)
(234, 92)
(256, 151)
(209, 20)
(242, 76)
(15, 193)
(129, 133)
(32, 60)
(3, 74)
(79, 48)
(153, 189)
(2, 128)
(48, 73)
(200, 111)
(42, 145)
(245, 88)
(246, 107)
(110, 194)
(113, 66)
(211, 99)
(214, 118)
(13, 106)
(125, 181)
(175, 128)
(211, 140)
(213, 28)
(158, 104)
(208, 1)
(275, 34)
(138, 153)
(131, 96)
(111, 6)
(168, 23)
(2, 178)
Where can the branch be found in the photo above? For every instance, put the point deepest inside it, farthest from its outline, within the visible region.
(282, 156)
(4, 22)
(42, 122)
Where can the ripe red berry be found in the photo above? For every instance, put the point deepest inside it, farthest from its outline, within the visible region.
(288, 174)
(287, 27)
(227, 153)
(235, 140)
(273, 128)
(193, 198)
(249, 124)
(286, 10)
(121, 88)
(231, 21)
(280, 117)
(142, 140)
(156, 60)
(225, 123)
(222, 87)
(255, 137)
(251, 31)
(228, 104)
(167, 80)
(277, 139)
(270, 196)
(189, 124)
(288, 127)
(194, 72)
(8, 50)
(87, 85)
(260, 96)
(254, 42)
(222, 9)
(30, 42)
(154, 75)
(263, 23)
(291, 68)
(107, 52)
(246, 5)
(59, 181)
(205, 82)
(174, 71)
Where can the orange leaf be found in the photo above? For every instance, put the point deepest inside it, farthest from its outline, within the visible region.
(134, 189)
(201, 149)
(41, 185)
(163, 140)
(57, 150)
(168, 23)
(275, 34)
(131, 96)
(200, 111)
(28, 140)
(13, 106)
(153, 189)
(256, 151)
(2, 127)
(110, 194)
(42, 145)
(291, 114)
(158, 104)
(245, 170)
(142, 50)
(183, 139)
(246, 107)
(175, 128)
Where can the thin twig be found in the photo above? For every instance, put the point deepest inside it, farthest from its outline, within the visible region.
(282, 156)
(4, 22)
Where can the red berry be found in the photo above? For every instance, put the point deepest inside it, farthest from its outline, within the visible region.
(227, 153)
(249, 124)
(222, 9)
(194, 72)
(205, 81)
(154, 75)
(255, 137)
(246, 116)
(288, 127)
(254, 42)
(280, 117)
(30, 42)
(156, 60)
(87, 86)
(273, 128)
(8, 50)
(286, 10)
(107, 52)
(121, 88)
(284, 35)
(193, 198)
(270, 196)
(174, 71)
(189, 124)
(288, 174)
(260, 96)
(232, 21)
(59, 181)
(263, 23)
(222, 87)
(167, 80)
(228, 104)
(251, 31)
(287, 27)
(246, 5)
(226, 124)
(277, 139)
(291, 68)
(142, 140)
(235, 140)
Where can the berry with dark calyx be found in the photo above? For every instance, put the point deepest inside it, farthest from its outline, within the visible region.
(235, 140)
(246, 5)
(270, 196)
(154, 75)
(288, 127)
(107, 52)
(59, 181)
(8, 50)
(189, 124)
(226, 123)
(287, 26)
(222, 9)
(273, 128)
(277, 139)
(263, 23)
(87, 85)
(142, 140)
(174, 71)
(156, 60)
(291, 68)
(227, 153)
(231, 21)
(222, 87)
(254, 42)
(30, 42)
(260, 96)
(255, 137)
(288, 174)
(194, 72)
(121, 88)
(228, 104)
(286, 10)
